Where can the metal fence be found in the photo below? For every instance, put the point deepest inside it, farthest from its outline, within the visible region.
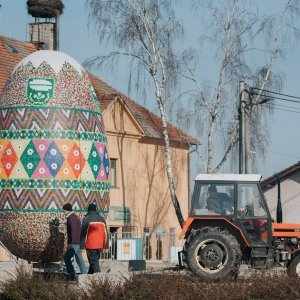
(127, 246)
(136, 246)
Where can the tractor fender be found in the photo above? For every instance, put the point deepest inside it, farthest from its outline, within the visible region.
(195, 223)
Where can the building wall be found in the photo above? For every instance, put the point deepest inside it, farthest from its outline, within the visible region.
(142, 183)
(290, 197)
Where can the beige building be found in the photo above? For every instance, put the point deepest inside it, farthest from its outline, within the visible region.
(141, 213)
(290, 193)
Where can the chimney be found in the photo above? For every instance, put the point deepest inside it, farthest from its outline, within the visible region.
(44, 32)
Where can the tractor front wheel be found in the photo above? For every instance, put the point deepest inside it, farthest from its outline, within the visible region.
(212, 254)
(294, 267)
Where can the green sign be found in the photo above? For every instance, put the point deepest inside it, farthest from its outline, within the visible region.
(119, 213)
(40, 90)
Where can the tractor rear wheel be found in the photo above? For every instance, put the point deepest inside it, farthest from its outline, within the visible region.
(212, 254)
(294, 267)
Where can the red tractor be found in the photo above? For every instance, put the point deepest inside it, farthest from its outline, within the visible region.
(229, 224)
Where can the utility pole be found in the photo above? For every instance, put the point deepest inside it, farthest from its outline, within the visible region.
(241, 126)
(248, 163)
(244, 126)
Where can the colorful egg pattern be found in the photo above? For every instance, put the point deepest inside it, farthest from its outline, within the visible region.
(52, 151)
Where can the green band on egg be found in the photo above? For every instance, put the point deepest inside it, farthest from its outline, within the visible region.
(53, 135)
(54, 184)
(49, 210)
(54, 108)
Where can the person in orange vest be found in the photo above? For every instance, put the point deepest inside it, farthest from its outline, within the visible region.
(94, 237)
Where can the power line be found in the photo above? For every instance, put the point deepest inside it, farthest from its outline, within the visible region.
(284, 154)
(290, 96)
(276, 98)
(274, 106)
(292, 111)
(293, 107)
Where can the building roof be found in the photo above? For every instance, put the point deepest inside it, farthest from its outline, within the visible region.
(229, 177)
(271, 181)
(12, 51)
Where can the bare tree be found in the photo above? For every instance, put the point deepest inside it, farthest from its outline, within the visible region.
(234, 31)
(145, 31)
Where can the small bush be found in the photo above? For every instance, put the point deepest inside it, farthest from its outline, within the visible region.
(175, 286)
(274, 287)
(102, 288)
(24, 285)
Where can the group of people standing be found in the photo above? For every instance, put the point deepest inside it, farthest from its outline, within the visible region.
(90, 235)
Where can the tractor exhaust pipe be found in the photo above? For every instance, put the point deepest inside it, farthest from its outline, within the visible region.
(279, 207)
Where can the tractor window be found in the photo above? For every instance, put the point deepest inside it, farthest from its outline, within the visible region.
(212, 199)
(250, 202)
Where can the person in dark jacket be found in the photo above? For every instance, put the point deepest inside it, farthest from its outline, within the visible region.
(94, 237)
(73, 249)
(219, 203)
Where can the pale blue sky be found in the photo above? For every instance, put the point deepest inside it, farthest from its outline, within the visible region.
(80, 43)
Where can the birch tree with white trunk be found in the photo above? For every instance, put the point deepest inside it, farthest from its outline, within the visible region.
(145, 31)
(238, 37)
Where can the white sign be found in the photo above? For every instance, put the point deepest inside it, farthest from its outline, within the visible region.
(126, 249)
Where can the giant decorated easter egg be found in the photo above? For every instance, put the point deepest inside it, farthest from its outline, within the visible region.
(52, 151)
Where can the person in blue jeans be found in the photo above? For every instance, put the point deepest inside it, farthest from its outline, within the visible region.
(73, 249)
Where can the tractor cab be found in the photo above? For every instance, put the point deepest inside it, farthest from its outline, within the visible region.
(238, 199)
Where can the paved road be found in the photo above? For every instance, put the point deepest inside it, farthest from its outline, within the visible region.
(115, 270)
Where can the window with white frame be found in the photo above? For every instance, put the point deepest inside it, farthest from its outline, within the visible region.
(172, 236)
(113, 172)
